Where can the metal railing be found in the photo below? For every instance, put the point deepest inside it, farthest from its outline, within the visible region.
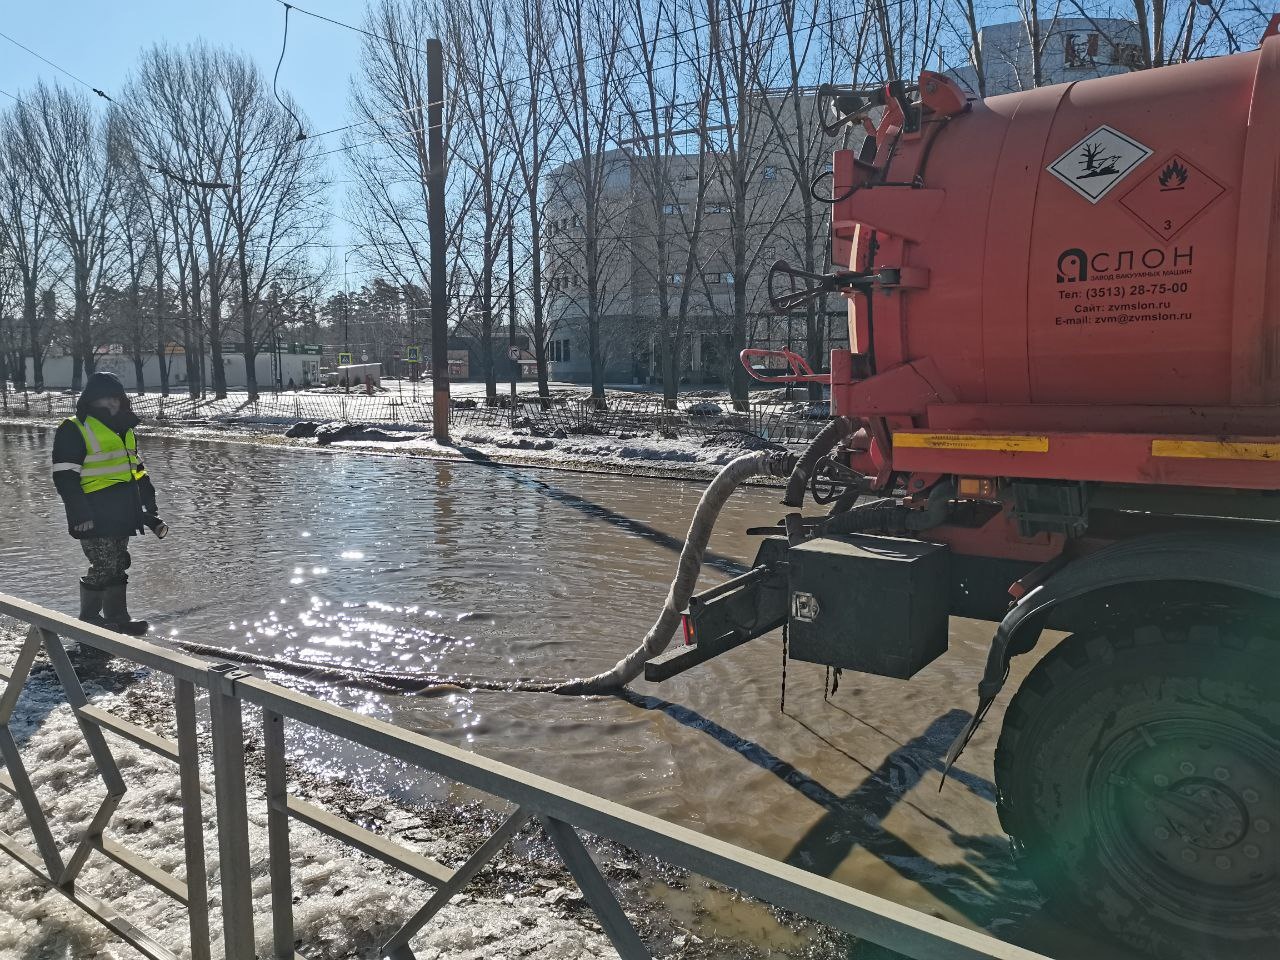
(562, 812)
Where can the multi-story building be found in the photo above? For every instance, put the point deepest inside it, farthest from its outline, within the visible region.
(638, 217)
(1071, 48)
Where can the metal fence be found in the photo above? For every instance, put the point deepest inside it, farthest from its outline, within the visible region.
(561, 811)
(772, 414)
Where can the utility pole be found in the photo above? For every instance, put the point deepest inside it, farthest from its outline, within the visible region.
(346, 300)
(436, 228)
(513, 352)
(346, 312)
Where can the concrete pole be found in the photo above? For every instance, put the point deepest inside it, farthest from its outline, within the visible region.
(436, 226)
(511, 306)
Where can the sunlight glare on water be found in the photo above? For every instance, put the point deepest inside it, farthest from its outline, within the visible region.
(387, 563)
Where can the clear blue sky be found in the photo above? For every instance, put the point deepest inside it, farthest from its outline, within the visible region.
(99, 42)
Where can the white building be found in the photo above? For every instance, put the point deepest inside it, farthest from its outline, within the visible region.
(1071, 48)
(302, 368)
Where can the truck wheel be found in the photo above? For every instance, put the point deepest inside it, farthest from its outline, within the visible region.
(1139, 777)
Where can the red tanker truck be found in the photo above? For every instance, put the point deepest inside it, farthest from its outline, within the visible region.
(1060, 411)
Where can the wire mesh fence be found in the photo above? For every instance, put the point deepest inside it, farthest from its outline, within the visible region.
(771, 415)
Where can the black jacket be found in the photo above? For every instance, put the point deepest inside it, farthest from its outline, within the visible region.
(120, 510)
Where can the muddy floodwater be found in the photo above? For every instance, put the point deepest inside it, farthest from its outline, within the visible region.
(412, 564)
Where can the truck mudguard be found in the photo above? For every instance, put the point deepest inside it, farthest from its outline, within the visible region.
(1246, 560)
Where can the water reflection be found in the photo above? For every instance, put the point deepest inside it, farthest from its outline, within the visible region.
(400, 564)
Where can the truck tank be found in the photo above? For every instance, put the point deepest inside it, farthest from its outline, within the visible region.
(1084, 243)
(1060, 410)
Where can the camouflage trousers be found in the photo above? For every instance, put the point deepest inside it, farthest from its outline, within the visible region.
(108, 560)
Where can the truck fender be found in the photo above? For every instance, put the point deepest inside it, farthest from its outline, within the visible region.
(1243, 560)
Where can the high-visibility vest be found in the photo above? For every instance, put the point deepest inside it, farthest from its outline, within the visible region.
(109, 458)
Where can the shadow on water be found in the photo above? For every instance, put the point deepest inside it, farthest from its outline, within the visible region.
(986, 888)
(726, 565)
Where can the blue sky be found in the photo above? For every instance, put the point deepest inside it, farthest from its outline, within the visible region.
(99, 43)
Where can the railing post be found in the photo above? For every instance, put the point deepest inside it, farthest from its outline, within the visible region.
(595, 890)
(227, 729)
(278, 834)
(184, 708)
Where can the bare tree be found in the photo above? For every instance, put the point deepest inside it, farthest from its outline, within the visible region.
(387, 150)
(482, 147)
(666, 106)
(1165, 32)
(130, 221)
(587, 68)
(535, 125)
(76, 174)
(25, 234)
(275, 197)
(809, 51)
(177, 125)
(12, 352)
(746, 156)
(962, 18)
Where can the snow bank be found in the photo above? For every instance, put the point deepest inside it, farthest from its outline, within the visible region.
(567, 450)
(346, 904)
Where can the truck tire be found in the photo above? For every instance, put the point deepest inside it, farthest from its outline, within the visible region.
(1139, 777)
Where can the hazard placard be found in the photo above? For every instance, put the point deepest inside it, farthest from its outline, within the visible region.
(1171, 196)
(1098, 162)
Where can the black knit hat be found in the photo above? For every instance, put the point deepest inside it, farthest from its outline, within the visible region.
(99, 386)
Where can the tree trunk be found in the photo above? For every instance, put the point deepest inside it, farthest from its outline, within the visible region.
(486, 361)
(539, 306)
(670, 370)
(35, 339)
(218, 377)
(191, 342)
(250, 333)
(162, 353)
(214, 328)
(738, 329)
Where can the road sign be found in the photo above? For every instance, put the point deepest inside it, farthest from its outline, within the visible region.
(413, 354)
(344, 359)
(513, 354)
(364, 358)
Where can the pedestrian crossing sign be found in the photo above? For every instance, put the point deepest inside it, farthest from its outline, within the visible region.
(413, 354)
(344, 359)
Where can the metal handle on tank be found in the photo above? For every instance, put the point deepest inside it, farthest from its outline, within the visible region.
(798, 370)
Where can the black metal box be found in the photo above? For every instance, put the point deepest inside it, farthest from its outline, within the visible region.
(869, 603)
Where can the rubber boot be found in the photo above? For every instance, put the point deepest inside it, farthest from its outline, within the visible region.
(115, 611)
(91, 604)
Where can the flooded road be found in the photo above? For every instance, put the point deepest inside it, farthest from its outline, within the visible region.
(411, 564)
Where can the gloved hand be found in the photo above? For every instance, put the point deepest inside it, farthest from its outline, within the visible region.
(160, 529)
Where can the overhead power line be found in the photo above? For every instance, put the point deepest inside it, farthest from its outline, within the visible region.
(55, 66)
(275, 79)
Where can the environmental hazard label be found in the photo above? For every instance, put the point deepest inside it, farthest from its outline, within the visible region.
(1171, 196)
(1094, 166)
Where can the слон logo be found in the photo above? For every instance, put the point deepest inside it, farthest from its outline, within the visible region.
(1073, 265)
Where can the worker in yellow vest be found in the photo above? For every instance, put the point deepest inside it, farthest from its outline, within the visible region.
(108, 497)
